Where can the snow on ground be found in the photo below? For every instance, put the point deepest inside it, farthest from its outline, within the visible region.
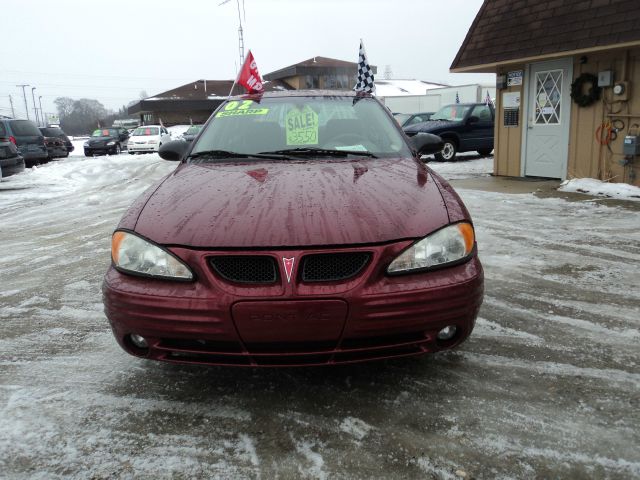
(467, 166)
(546, 387)
(591, 186)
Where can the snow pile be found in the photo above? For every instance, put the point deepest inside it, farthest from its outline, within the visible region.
(592, 186)
(464, 168)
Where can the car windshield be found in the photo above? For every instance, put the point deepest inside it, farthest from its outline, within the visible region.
(453, 112)
(193, 130)
(305, 126)
(105, 132)
(145, 131)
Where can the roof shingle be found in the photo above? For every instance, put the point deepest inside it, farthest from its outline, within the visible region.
(505, 30)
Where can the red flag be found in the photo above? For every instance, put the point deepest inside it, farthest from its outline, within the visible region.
(249, 77)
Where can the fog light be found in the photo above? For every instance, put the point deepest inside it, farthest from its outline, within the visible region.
(447, 333)
(138, 340)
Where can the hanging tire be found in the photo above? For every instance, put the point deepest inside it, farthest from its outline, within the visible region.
(448, 152)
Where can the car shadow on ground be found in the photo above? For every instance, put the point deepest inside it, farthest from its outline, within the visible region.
(290, 386)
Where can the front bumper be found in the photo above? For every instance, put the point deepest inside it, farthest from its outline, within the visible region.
(88, 151)
(143, 148)
(371, 317)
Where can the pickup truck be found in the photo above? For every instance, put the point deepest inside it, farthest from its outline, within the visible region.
(463, 127)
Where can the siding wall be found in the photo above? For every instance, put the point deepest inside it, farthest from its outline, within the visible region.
(587, 158)
(508, 140)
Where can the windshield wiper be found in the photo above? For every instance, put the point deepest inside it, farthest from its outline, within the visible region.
(303, 151)
(229, 154)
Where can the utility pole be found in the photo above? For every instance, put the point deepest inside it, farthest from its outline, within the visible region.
(13, 111)
(44, 123)
(35, 108)
(24, 95)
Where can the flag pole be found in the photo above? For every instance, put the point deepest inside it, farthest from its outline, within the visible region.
(236, 80)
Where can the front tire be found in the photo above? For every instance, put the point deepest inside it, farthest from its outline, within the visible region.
(448, 153)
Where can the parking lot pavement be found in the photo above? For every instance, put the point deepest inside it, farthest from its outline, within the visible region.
(547, 386)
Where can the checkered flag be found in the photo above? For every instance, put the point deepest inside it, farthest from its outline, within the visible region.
(365, 73)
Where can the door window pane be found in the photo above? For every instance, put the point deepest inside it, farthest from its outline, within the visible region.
(548, 97)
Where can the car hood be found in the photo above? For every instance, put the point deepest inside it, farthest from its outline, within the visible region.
(430, 126)
(271, 204)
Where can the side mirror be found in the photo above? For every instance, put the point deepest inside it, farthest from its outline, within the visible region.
(173, 150)
(472, 119)
(426, 143)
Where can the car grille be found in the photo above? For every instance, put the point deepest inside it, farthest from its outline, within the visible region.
(331, 267)
(246, 268)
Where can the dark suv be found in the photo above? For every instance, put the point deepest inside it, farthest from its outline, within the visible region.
(54, 136)
(10, 160)
(25, 135)
(463, 127)
(106, 140)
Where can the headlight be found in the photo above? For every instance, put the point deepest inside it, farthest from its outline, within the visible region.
(448, 245)
(86, 144)
(153, 141)
(111, 143)
(134, 254)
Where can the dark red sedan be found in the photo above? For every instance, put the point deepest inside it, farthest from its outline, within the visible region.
(300, 228)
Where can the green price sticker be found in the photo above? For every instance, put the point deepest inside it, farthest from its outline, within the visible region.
(302, 127)
(235, 108)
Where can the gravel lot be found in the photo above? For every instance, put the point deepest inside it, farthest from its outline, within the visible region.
(548, 385)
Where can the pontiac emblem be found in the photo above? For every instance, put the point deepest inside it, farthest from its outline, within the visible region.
(288, 267)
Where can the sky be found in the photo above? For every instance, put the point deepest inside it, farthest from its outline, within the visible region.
(113, 51)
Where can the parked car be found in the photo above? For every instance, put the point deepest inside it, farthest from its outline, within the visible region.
(148, 139)
(106, 140)
(299, 228)
(11, 162)
(406, 119)
(191, 133)
(57, 132)
(27, 138)
(463, 127)
(55, 145)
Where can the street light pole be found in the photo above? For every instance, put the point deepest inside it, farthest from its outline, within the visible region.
(35, 108)
(44, 124)
(13, 112)
(24, 95)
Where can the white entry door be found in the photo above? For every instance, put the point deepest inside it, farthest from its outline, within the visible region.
(549, 107)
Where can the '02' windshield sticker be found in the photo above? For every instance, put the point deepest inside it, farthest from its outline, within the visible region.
(302, 126)
(235, 108)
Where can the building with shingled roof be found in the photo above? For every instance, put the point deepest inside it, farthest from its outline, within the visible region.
(568, 79)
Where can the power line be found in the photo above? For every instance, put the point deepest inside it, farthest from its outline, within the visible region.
(87, 75)
(75, 85)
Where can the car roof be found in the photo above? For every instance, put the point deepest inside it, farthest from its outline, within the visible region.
(304, 93)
